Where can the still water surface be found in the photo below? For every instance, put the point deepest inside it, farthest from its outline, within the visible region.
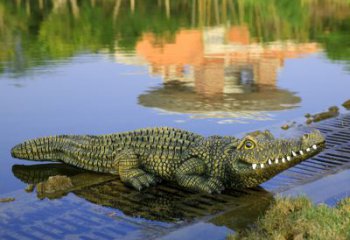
(226, 67)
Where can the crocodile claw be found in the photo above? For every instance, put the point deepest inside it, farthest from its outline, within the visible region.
(142, 181)
(213, 185)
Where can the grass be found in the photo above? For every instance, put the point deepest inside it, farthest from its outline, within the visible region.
(298, 218)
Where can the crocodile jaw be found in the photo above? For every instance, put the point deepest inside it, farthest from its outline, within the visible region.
(284, 162)
(245, 173)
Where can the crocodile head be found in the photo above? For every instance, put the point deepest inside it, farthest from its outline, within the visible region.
(260, 156)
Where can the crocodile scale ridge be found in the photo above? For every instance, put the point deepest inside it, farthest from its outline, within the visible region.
(145, 157)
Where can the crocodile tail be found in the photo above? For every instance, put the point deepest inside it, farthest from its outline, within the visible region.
(88, 152)
(39, 149)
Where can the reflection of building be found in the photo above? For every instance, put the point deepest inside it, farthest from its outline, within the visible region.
(179, 97)
(216, 57)
(221, 70)
(170, 59)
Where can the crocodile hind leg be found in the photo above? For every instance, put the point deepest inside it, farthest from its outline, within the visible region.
(130, 172)
(192, 176)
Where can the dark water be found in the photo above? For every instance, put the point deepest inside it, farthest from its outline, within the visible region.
(212, 67)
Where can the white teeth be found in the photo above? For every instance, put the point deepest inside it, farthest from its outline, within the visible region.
(270, 162)
(261, 165)
(283, 160)
(254, 165)
(294, 154)
(308, 149)
(301, 152)
(314, 146)
(289, 158)
(276, 160)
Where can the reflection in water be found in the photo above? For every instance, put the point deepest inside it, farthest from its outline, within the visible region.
(161, 203)
(58, 29)
(205, 57)
(225, 73)
(252, 102)
(34, 174)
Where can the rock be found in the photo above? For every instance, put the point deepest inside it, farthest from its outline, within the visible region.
(4, 200)
(30, 188)
(285, 126)
(334, 109)
(346, 104)
(324, 115)
(54, 184)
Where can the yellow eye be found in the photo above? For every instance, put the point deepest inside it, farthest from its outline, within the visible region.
(248, 144)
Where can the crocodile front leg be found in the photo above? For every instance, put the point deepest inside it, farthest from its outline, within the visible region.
(192, 176)
(130, 172)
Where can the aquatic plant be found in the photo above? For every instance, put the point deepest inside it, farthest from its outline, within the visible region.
(299, 218)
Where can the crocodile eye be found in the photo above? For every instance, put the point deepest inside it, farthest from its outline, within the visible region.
(248, 144)
(305, 136)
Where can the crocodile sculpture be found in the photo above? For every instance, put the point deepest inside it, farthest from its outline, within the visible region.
(144, 157)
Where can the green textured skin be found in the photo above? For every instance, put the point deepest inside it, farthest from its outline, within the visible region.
(145, 157)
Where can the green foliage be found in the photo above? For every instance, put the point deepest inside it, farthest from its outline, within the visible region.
(31, 34)
(337, 44)
(298, 218)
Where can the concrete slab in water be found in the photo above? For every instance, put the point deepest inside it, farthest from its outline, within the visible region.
(329, 189)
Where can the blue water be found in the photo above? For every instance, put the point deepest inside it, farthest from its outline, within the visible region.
(102, 85)
(92, 94)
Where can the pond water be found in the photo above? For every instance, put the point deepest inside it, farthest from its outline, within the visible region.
(211, 67)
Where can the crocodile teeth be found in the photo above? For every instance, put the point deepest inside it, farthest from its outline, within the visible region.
(276, 160)
(253, 165)
(289, 158)
(261, 165)
(308, 149)
(283, 160)
(314, 146)
(294, 154)
(270, 162)
(301, 152)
